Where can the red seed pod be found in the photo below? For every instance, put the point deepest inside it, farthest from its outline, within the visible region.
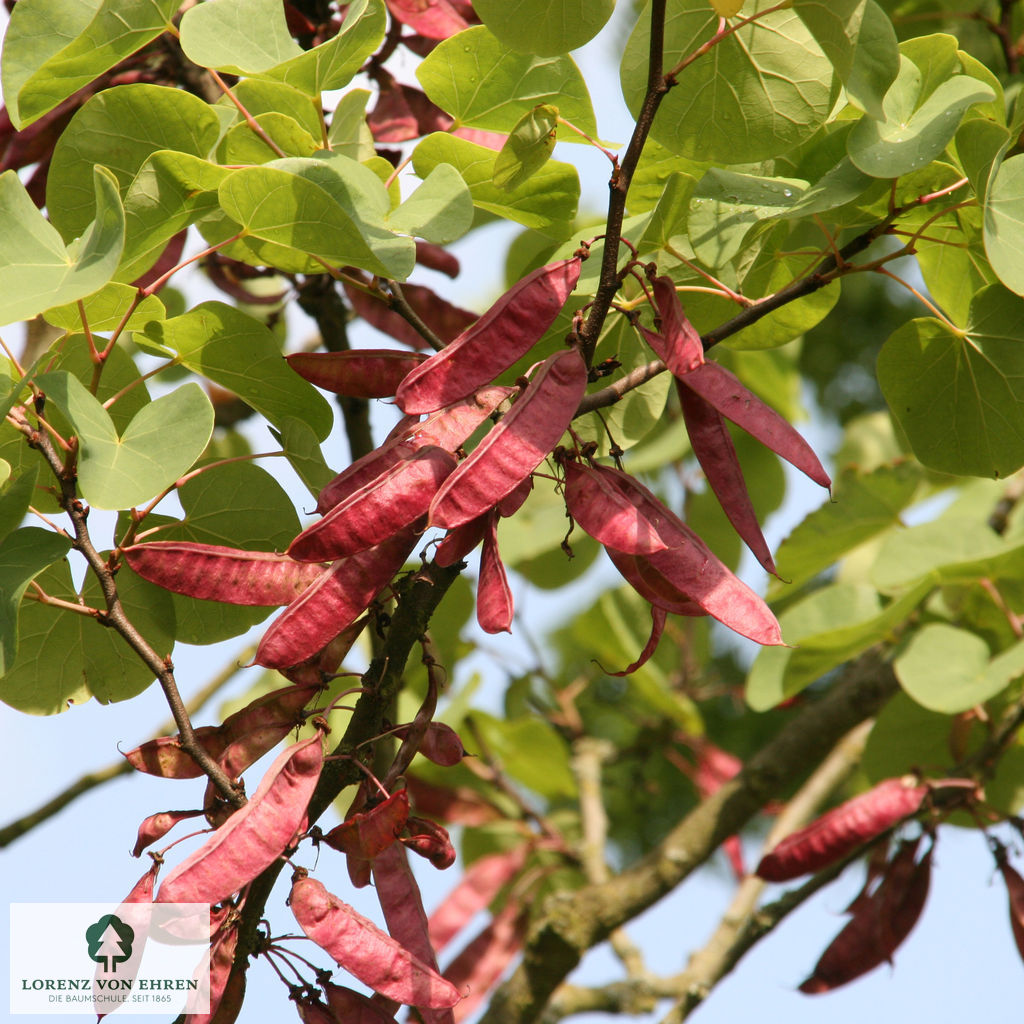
(481, 963)
(363, 471)
(449, 427)
(255, 835)
(328, 660)
(434, 256)
(367, 834)
(682, 350)
(402, 904)
(359, 373)
(437, 19)
(215, 573)
(723, 390)
(716, 453)
(500, 338)
(164, 757)
(844, 828)
(517, 445)
(333, 603)
(352, 1007)
(366, 952)
(440, 743)
(456, 805)
(494, 605)
(1015, 889)
(378, 510)
(481, 882)
(880, 924)
(156, 826)
(430, 840)
(512, 503)
(615, 516)
(651, 585)
(226, 990)
(459, 542)
(446, 320)
(312, 1011)
(658, 618)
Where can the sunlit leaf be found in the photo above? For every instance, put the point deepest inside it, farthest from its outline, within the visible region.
(545, 27)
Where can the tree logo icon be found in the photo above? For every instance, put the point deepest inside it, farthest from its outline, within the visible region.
(110, 942)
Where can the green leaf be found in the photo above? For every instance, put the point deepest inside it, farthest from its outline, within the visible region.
(37, 271)
(864, 505)
(958, 395)
(726, 205)
(161, 443)
(15, 498)
(440, 210)
(119, 128)
(65, 658)
(23, 555)
(550, 197)
(302, 449)
(349, 133)
(980, 144)
(243, 145)
(264, 96)
(950, 549)
(767, 89)
(483, 84)
(330, 208)
(241, 37)
(911, 136)
(949, 670)
(116, 29)
(170, 191)
(906, 737)
(828, 628)
(859, 40)
(531, 752)
(333, 64)
(107, 308)
(528, 148)
(1004, 223)
(544, 27)
(240, 353)
(671, 212)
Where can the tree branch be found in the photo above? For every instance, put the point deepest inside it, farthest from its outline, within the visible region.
(571, 923)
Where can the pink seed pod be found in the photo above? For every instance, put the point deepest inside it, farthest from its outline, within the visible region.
(723, 390)
(366, 952)
(358, 373)
(313, 1011)
(610, 513)
(437, 20)
(451, 425)
(434, 257)
(215, 573)
(440, 743)
(481, 882)
(658, 619)
(494, 605)
(502, 336)
(430, 840)
(517, 445)
(513, 502)
(841, 830)
(677, 344)
(164, 757)
(333, 603)
(255, 835)
(481, 963)
(716, 453)
(402, 904)
(156, 826)
(378, 510)
(226, 990)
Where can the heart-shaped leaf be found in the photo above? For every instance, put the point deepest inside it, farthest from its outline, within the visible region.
(161, 443)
